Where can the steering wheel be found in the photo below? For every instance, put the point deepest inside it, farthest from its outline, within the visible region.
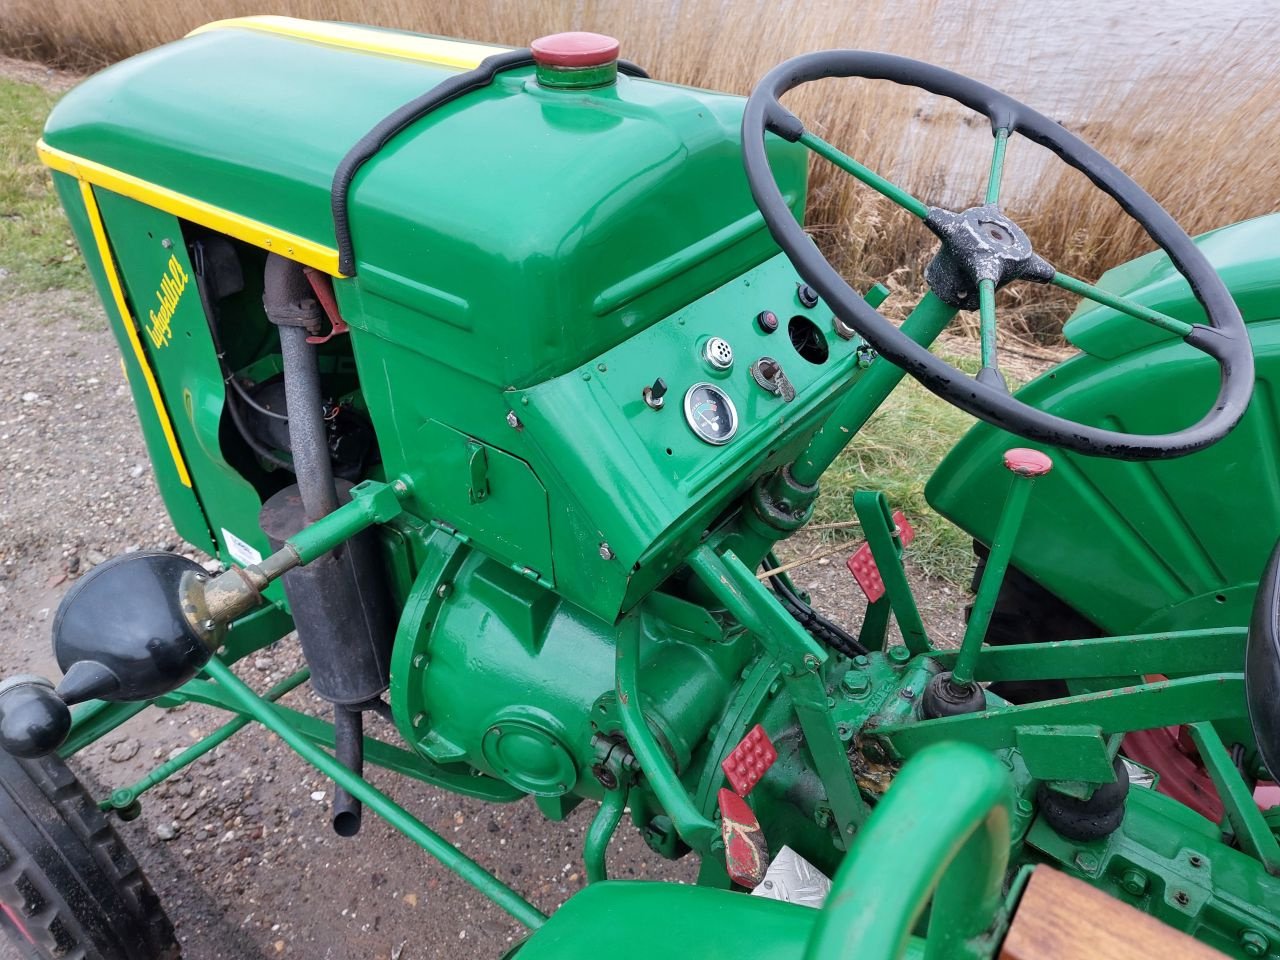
(982, 250)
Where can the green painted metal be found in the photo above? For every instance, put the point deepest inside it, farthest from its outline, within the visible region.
(124, 797)
(876, 519)
(181, 503)
(1141, 707)
(595, 846)
(695, 829)
(984, 602)
(1153, 547)
(417, 831)
(929, 318)
(1123, 304)
(987, 322)
(996, 174)
(799, 659)
(958, 851)
(371, 502)
(1217, 650)
(868, 176)
(1252, 833)
(1171, 863)
(574, 569)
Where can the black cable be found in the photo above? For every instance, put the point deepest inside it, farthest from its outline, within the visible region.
(819, 627)
(403, 116)
(210, 316)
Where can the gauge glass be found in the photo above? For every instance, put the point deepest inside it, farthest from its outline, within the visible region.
(710, 413)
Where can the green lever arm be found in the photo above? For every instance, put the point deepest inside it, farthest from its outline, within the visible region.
(915, 848)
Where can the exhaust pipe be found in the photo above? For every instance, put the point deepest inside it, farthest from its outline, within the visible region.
(339, 601)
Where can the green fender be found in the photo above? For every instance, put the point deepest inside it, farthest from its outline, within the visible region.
(1174, 544)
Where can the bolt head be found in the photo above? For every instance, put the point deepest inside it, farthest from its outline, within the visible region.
(513, 421)
(606, 552)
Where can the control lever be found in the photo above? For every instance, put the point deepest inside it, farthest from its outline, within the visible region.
(768, 373)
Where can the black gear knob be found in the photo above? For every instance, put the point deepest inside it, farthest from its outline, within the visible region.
(34, 720)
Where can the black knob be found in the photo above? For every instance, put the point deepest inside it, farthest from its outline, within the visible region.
(767, 321)
(34, 720)
(808, 296)
(659, 389)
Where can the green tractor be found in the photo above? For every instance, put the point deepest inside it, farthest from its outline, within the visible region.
(499, 382)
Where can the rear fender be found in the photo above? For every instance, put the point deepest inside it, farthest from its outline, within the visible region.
(1173, 544)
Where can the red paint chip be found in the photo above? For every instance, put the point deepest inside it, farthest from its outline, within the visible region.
(1027, 463)
(575, 49)
(748, 761)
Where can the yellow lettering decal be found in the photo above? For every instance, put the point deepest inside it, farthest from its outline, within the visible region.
(172, 285)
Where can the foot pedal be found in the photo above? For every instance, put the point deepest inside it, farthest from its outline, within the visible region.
(749, 760)
(746, 853)
(863, 565)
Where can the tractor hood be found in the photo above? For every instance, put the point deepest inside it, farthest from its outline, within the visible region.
(532, 225)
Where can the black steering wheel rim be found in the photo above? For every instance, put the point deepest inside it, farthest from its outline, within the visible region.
(1224, 338)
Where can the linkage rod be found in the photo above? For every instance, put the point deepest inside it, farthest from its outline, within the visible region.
(435, 845)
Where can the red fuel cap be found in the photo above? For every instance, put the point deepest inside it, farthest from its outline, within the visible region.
(575, 49)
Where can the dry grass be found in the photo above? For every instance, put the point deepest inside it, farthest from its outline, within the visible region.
(1199, 132)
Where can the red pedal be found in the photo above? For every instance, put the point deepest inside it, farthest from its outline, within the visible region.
(746, 854)
(863, 565)
(748, 761)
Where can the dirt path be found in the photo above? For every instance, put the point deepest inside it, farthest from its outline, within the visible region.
(252, 869)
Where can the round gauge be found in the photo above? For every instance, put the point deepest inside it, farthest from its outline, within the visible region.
(710, 413)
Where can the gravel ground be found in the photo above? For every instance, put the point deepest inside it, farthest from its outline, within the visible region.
(239, 847)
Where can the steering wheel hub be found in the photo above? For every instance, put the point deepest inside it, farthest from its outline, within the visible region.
(978, 244)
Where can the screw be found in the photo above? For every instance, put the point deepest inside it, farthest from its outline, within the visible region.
(906, 693)
(419, 662)
(208, 624)
(899, 654)
(1181, 898)
(1134, 882)
(1196, 860)
(513, 421)
(810, 661)
(496, 731)
(419, 719)
(1254, 943)
(400, 487)
(856, 683)
(788, 670)
(167, 243)
(606, 552)
(861, 660)
(844, 730)
(1086, 862)
(443, 590)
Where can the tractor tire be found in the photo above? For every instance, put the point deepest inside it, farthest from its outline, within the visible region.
(1026, 612)
(68, 886)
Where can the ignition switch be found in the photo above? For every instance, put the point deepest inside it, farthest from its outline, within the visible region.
(768, 373)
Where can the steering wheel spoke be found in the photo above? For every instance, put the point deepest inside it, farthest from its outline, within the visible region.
(1123, 304)
(865, 174)
(996, 175)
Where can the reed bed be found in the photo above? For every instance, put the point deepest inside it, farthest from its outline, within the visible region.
(1200, 133)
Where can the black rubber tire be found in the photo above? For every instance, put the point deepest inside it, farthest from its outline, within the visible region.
(1026, 612)
(68, 886)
